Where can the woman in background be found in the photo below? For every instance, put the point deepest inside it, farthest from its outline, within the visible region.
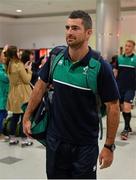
(20, 90)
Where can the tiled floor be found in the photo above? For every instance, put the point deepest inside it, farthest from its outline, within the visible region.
(124, 164)
(29, 162)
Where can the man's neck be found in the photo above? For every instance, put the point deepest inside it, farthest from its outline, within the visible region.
(129, 54)
(78, 54)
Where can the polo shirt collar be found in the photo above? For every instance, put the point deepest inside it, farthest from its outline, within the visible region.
(129, 55)
(84, 61)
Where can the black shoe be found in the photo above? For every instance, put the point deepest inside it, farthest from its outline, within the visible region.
(26, 143)
(130, 129)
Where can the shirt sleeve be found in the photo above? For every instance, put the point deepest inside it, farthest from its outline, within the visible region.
(107, 86)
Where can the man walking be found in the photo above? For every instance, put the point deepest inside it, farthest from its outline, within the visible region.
(72, 134)
(125, 70)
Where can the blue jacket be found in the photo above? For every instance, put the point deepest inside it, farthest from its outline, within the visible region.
(4, 87)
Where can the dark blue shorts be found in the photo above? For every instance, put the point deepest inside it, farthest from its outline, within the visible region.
(127, 96)
(70, 161)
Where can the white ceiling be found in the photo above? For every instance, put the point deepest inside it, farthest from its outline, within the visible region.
(35, 8)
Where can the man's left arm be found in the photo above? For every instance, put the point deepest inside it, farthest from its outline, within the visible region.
(113, 115)
(108, 91)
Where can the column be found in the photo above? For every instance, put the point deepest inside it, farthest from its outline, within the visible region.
(107, 27)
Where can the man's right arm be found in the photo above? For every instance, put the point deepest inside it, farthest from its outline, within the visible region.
(36, 96)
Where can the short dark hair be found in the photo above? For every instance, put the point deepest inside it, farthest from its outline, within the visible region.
(87, 21)
(132, 42)
(25, 56)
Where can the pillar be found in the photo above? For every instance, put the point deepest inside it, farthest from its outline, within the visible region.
(107, 27)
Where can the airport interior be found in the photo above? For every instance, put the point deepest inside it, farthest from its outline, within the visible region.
(39, 26)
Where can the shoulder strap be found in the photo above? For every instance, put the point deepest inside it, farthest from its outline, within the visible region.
(95, 54)
(55, 55)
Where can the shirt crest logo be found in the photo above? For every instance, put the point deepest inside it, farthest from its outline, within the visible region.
(85, 69)
(132, 59)
(60, 62)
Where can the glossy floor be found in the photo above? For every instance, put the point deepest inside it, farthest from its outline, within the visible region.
(29, 162)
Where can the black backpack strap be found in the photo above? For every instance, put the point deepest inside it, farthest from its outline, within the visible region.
(55, 52)
(97, 55)
(55, 55)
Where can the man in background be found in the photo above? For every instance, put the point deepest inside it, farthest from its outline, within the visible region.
(125, 70)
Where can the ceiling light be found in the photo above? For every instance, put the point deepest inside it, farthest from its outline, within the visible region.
(18, 10)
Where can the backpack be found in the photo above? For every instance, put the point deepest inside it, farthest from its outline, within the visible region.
(55, 56)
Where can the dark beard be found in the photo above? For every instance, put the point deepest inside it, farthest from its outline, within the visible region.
(75, 45)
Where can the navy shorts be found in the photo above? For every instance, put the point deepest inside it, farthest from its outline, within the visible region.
(70, 161)
(127, 96)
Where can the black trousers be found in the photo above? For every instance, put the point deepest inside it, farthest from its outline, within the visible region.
(13, 125)
(69, 161)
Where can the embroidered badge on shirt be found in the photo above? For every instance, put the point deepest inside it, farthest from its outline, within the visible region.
(60, 62)
(85, 70)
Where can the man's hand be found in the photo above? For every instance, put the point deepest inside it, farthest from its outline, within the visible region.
(105, 158)
(36, 96)
(27, 127)
(113, 114)
(28, 65)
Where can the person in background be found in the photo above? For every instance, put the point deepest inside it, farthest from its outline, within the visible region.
(20, 91)
(121, 50)
(114, 59)
(4, 90)
(125, 72)
(114, 64)
(28, 57)
(72, 132)
(42, 61)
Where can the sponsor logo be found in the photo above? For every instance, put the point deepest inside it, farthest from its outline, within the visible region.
(94, 168)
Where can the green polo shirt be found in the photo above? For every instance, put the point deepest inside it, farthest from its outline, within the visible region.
(126, 66)
(74, 110)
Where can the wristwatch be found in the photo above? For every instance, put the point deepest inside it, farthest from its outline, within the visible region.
(111, 147)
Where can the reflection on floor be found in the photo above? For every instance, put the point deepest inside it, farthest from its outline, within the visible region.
(29, 162)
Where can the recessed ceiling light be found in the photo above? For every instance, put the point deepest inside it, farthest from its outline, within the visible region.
(19, 10)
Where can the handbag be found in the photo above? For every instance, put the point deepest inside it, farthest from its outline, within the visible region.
(39, 119)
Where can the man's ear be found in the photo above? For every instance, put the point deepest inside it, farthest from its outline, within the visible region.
(90, 32)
